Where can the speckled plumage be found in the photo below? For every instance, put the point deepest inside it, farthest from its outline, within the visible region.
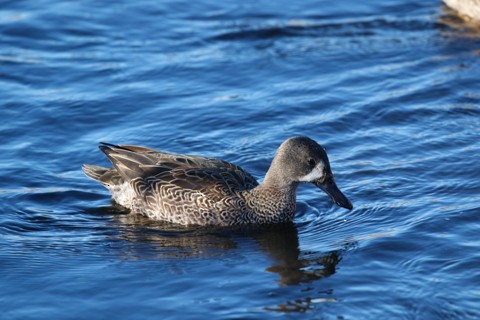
(188, 189)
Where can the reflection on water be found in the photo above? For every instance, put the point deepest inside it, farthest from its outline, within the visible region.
(158, 239)
(299, 305)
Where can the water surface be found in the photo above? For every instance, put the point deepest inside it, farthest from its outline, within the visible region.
(391, 90)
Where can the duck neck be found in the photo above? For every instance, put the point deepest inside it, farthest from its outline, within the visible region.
(272, 203)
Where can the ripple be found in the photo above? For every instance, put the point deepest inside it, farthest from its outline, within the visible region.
(342, 28)
(390, 89)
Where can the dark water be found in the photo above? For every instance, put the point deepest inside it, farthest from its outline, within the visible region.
(390, 88)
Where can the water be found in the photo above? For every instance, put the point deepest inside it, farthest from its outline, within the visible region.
(391, 90)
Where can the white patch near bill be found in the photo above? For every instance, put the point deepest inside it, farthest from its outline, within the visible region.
(315, 174)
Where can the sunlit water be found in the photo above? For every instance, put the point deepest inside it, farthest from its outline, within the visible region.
(390, 88)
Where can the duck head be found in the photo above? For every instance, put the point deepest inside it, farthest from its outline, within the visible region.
(301, 159)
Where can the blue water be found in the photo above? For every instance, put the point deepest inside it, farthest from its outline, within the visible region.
(390, 88)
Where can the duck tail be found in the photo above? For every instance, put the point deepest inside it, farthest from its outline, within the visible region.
(94, 172)
(126, 162)
(109, 177)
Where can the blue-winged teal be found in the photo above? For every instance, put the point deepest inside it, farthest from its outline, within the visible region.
(189, 189)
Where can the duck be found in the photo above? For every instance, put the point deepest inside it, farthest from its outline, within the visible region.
(195, 190)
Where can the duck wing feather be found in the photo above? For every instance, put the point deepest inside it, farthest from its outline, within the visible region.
(212, 177)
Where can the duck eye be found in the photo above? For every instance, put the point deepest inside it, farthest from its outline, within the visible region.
(311, 162)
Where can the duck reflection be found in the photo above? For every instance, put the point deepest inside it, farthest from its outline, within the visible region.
(279, 242)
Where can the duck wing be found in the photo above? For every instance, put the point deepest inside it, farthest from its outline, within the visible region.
(185, 161)
(163, 169)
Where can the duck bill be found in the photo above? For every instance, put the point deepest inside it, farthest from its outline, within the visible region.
(329, 187)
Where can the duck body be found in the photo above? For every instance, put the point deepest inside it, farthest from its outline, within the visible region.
(194, 190)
